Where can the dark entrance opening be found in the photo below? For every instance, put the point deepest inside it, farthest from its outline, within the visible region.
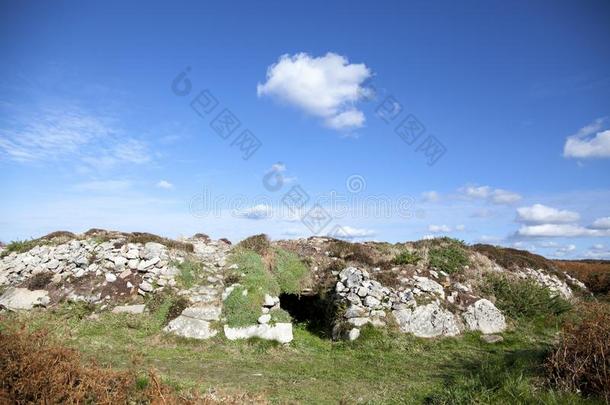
(316, 312)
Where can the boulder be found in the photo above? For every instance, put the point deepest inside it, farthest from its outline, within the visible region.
(427, 321)
(129, 309)
(484, 316)
(15, 299)
(190, 328)
(280, 332)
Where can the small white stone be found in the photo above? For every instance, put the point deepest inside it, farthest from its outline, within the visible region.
(110, 278)
(265, 318)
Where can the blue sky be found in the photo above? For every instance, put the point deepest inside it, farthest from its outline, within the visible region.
(511, 103)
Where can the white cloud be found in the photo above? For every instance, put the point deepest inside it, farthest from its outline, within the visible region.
(500, 197)
(70, 135)
(460, 227)
(348, 232)
(557, 230)
(565, 250)
(439, 228)
(588, 142)
(541, 214)
(165, 184)
(260, 211)
(601, 223)
(430, 196)
(327, 87)
(103, 186)
(496, 196)
(476, 192)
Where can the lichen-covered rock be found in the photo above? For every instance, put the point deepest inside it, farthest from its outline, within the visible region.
(485, 317)
(190, 328)
(427, 321)
(16, 299)
(280, 332)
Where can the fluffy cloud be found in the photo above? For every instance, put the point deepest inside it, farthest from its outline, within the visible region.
(541, 214)
(558, 230)
(348, 232)
(327, 87)
(439, 228)
(165, 184)
(496, 196)
(260, 211)
(588, 142)
(601, 223)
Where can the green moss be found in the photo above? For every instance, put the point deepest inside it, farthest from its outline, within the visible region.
(291, 273)
(243, 309)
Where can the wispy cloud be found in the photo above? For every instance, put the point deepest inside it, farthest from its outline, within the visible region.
(495, 196)
(165, 184)
(71, 135)
(542, 214)
(104, 186)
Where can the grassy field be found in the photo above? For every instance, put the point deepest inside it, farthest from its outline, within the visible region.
(381, 367)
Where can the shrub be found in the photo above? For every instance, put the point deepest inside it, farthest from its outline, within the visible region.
(580, 362)
(257, 243)
(144, 237)
(594, 273)
(450, 259)
(38, 281)
(20, 246)
(406, 257)
(523, 298)
(514, 258)
(291, 273)
(35, 369)
(355, 252)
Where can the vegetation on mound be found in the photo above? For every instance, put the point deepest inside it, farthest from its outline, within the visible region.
(291, 273)
(594, 273)
(580, 361)
(165, 306)
(450, 256)
(519, 298)
(355, 252)
(510, 258)
(406, 257)
(288, 274)
(144, 237)
(191, 273)
(256, 243)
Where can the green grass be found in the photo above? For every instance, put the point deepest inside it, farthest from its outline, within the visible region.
(291, 273)
(450, 258)
(21, 246)
(253, 277)
(190, 274)
(380, 367)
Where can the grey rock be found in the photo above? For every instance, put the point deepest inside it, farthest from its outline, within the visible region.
(280, 332)
(492, 338)
(129, 309)
(484, 316)
(427, 321)
(15, 299)
(190, 328)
